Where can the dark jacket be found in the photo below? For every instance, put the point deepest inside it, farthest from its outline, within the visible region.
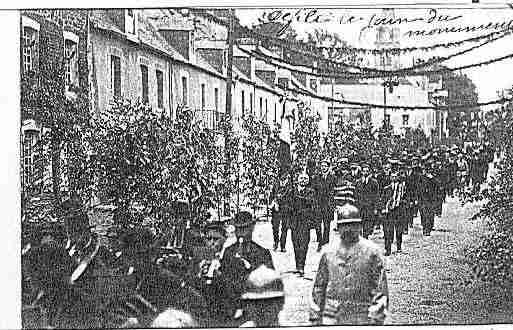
(302, 207)
(428, 189)
(411, 189)
(281, 195)
(324, 189)
(367, 194)
(233, 268)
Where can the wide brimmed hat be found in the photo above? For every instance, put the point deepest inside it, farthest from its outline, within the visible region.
(243, 219)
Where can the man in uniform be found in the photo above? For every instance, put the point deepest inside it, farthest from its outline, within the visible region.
(350, 287)
(366, 196)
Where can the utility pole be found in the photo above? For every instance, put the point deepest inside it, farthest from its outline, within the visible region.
(385, 124)
(330, 113)
(390, 83)
(228, 109)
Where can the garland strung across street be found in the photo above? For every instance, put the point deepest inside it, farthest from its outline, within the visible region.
(399, 107)
(430, 62)
(326, 73)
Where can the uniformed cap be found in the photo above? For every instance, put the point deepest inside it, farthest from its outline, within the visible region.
(263, 283)
(347, 213)
(325, 161)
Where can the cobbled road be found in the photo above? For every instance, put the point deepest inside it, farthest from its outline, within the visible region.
(430, 282)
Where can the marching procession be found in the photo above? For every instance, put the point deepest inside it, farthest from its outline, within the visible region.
(194, 168)
(389, 193)
(219, 276)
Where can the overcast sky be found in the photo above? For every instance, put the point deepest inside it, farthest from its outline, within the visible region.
(488, 79)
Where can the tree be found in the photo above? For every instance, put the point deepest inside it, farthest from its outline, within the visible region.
(64, 118)
(491, 256)
(461, 90)
(259, 158)
(306, 140)
(144, 160)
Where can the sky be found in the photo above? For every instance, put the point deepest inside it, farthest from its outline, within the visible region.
(489, 79)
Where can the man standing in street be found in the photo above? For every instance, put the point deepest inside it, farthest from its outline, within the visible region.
(428, 198)
(302, 205)
(367, 195)
(239, 261)
(280, 211)
(324, 186)
(350, 287)
(393, 223)
(411, 180)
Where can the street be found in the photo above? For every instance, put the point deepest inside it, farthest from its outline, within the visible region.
(429, 282)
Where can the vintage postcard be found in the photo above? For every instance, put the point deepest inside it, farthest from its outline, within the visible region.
(212, 166)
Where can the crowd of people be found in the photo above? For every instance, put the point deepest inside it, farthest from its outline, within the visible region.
(236, 277)
(389, 192)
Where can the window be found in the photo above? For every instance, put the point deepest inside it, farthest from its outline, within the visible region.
(130, 21)
(29, 49)
(144, 83)
(261, 107)
(243, 103)
(251, 103)
(71, 62)
(160, 89)
(185, 95)
(202, 96)
(115, 75)
(29, 141)
(405, 120)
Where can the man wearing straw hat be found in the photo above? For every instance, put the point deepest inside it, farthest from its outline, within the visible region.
(350, 287)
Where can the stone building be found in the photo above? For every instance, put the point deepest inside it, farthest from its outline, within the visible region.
(49, 40)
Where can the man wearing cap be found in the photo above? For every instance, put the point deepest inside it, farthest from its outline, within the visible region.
(302, 205)
(366, 196)
(324, 186)
(350, 287)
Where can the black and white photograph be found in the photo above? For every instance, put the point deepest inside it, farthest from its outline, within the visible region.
(220, 166)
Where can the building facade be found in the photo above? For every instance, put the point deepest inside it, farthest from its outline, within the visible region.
(51, 41)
